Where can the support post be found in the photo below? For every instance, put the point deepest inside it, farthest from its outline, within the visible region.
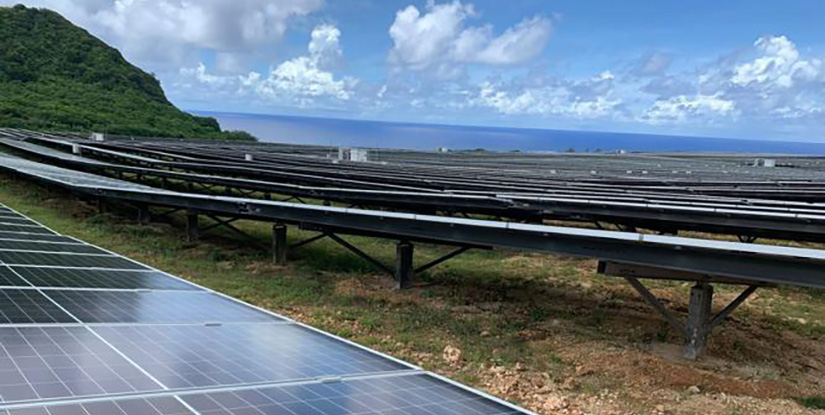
(700, 312)
(143, 214)
(279, 244)
(404, 271)
(101, 206)
(192, 225)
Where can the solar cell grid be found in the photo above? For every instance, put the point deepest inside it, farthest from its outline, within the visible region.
(155, 307)
(67, 260)
(8, 278)
(91, 278)
(143, 341)
(18, 236)
(29, 307)
(197, 356)
(162, 405)
(399, 395)
(60, 362)
(10, 214)
(12, 220)
(50, 247)
(6, 227)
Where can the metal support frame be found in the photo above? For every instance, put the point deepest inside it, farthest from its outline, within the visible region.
(167, 213)
(748, 239)
(404, 271)
(309, 240)
(279, 243)
(361, 253)
(435, 262)
(700, 320)
(143, 214)
(192, 230)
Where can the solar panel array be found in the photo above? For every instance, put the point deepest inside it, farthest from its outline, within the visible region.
(86, 331)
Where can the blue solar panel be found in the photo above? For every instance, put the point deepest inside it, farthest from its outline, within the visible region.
(8, 227)
(49, 247)
(8, 278)
(29, 307)
(155, 307)
(17, 236)
(93, 278)
(98, 334)
(193, 356)
(159, 405)
(61, 362)
(67, 260)
(419, 394)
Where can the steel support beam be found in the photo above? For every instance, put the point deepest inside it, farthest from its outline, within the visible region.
(192, 230)
(700, 312)
(435, 262)
(404, 271)
(279, 243)
(700, 320)
(143, 215)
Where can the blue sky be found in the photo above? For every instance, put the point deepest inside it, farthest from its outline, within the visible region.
(750, 69)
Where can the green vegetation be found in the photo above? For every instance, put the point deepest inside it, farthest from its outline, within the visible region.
(814, 402)
(56, 76)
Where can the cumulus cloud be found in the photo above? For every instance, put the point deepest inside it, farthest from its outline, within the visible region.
(440, 39)
(299, 81)
(591, 98)
(165, 32)
(779, 66)
(682, 108)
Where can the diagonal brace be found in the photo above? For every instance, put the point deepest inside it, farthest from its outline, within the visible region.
(435, 262)
(361, 253)
(653, 301)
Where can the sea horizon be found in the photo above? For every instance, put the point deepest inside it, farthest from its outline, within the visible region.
(341, 132)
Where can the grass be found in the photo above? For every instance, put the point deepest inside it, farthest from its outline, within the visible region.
(528, 326)
(813, 402)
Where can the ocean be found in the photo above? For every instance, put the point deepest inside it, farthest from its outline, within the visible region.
(355, 133)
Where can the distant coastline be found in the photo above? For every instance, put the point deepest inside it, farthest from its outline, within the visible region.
(381, 134)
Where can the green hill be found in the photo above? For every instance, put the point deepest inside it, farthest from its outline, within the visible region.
(56, 76)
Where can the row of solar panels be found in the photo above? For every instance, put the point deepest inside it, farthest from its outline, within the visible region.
(86, 331)
(736, 261)
(774, 219)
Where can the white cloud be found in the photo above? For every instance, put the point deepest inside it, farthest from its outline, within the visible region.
(298, 81)
(166, 32)
(587, 99)
(200, 74)
(682, 108)
(438, 39)
(780, 65)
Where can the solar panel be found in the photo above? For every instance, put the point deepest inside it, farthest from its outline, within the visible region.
(60, 362)
(92, 278)
(398, 395)
(92, 333)
(18, 236)
(155, 307)
(13, 220)
(19, 306)
(10, 279)
(67, 260)
(196, 356)
(50, 247)
(159, 405)
(7, 227)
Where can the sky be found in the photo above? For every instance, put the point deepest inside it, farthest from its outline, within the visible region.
(741, 69)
